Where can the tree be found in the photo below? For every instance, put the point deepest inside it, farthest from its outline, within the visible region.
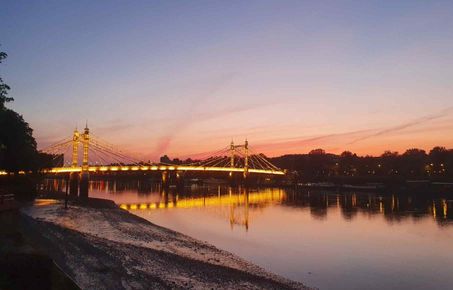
(4, 88)
(348, 163)
(390, 162)
(17, 145)
(438, 157)
(438, 154)
(165, 159)
(319, 164)
(17, 142)
(413, 162)
(317, 152)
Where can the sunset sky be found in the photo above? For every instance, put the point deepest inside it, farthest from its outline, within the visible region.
(185, 77)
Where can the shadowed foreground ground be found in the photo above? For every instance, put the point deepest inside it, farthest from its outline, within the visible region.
(108, 248)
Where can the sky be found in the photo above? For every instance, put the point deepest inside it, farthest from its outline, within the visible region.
(186, 77)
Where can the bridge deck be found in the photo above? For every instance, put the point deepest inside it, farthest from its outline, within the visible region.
(160, 168)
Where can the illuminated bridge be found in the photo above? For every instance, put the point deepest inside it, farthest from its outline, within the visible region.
(234, 158)
(99, 158)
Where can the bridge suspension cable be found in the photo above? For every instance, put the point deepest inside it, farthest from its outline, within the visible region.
(96, 151)
(115, 154)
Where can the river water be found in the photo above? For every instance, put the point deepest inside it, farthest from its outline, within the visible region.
(324, 239)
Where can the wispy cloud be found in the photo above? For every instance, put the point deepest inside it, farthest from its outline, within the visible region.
(285, 145)
(114, 125)
(179, 124)
(401, 127)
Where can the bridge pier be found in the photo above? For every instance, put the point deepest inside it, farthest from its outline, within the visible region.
(238, 178)
(231, 179)
(245, 181)
(59, 186)
(74, 184)
(180, 181)
(84, 182)
(165, 179)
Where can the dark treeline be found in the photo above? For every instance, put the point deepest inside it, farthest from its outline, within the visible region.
(412, 164)
(17, 147)
(17, 144)
(317, 165)
(165, 159)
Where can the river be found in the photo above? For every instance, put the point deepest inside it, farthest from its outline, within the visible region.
(328, 240)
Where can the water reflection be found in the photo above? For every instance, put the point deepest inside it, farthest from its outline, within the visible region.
(394, 207)
(231, 202)
(238, 205)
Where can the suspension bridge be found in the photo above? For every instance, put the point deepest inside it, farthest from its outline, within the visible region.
(235, 161)
(100, 156)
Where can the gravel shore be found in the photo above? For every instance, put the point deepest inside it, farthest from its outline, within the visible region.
(109, 248)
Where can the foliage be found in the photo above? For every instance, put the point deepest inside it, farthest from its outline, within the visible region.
(4, 88)
(412, 164)
(17, 145)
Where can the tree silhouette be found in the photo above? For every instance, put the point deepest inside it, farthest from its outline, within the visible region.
(348, 163)
(413, 162)
(4, 88)
(439, 157)
(17, 145)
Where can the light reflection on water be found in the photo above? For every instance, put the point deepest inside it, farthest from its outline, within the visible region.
(327, 240)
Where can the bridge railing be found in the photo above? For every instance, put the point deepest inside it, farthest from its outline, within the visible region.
(125, 168)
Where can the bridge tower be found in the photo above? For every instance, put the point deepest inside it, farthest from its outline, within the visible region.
(86, 142)
(85, 177)
(73, 176)
(75, 148)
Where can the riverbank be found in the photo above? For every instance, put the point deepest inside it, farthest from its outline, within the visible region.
(22, 265)
(105, 247)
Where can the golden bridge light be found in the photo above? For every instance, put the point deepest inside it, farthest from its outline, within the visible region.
(223, 200)
(158, 168)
